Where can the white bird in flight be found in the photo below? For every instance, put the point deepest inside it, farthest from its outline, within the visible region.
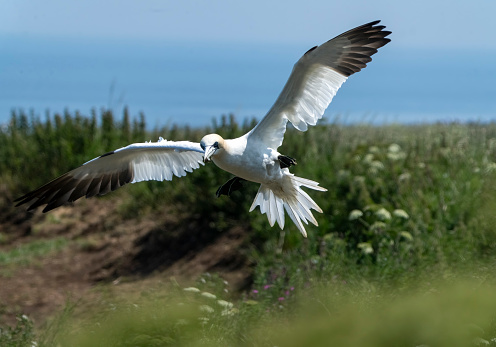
(314, 81)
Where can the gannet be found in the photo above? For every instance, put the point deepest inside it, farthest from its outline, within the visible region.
(313, 82)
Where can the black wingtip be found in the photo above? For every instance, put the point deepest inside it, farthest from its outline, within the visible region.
(21, 198)
(311, 49)
(49, 207)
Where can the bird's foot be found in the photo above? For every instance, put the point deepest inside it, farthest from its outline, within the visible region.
(230, 186)
(285, 161)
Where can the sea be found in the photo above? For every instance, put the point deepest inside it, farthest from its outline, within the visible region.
(195, 82)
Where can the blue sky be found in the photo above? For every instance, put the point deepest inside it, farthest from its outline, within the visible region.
(441, 59)
(420, 23)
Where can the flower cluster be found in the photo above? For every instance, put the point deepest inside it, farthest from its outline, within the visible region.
(380, 226)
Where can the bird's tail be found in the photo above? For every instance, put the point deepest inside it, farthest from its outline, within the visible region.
(288, 196)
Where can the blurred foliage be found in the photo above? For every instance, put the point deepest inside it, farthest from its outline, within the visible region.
(447, 314)
(35, 151)
(21, 335)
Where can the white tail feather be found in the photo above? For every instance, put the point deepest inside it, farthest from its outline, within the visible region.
(287, 195)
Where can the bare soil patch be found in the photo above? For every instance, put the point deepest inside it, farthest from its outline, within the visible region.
(104, 248)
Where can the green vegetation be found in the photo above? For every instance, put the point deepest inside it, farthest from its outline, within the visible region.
(332, 316)
(403, 255)
(24, 254)
(20, 335)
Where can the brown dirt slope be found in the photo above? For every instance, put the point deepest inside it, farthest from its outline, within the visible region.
(101, 247)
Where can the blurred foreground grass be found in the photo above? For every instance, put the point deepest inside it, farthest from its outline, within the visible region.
(459, 313)
(404, 253)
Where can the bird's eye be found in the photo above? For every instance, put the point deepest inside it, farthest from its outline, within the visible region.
(216, 145)
(202, 146)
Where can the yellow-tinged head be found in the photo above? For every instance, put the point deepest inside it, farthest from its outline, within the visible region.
(211, 144)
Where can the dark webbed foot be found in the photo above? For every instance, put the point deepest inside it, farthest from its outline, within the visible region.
(230, 186)
(285, 161)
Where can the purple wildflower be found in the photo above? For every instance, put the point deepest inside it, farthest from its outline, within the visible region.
(255, 291)
(281, 299)
(267, 286)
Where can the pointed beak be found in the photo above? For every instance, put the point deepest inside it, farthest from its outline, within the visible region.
(209, 151)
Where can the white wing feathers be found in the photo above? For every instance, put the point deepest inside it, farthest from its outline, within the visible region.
(134, 163)
(303, 101)
(157, 161)
(316, 78)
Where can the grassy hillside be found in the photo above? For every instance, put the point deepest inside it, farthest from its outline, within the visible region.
(404, 253)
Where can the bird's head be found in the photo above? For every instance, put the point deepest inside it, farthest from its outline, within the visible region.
(211, 144)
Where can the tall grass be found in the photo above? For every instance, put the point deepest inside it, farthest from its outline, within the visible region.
(458, 314)
(401, 200)
(409, 213)
(35, 150)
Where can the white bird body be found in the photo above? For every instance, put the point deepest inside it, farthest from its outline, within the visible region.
(313, 83)
(255, 163)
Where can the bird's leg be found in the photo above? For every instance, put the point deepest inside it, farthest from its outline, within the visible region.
(285, 161)
(230, 186)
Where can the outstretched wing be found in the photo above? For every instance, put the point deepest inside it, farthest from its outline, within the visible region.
(316, 78)
(134, 163)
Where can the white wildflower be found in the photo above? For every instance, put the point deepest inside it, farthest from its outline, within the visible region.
(368, 208)
(400, 214)
(383, 214)
(377, 227)
(445, 152)
(374, 149)
(377, 165)
(405, 176)
(209, 295)
(229, 312)
(406, 235)
(358, 180)
(394, 148)
(225, 303)
(365, 247)
(192, 290)
(182, 322)
(355, 214)
(491, 167)
(368, 158)
(203, 320)
(207, 309)
(394, 156)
